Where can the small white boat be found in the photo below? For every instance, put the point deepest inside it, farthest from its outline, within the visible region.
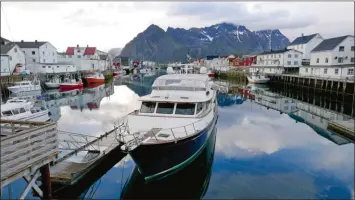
(24, 110)
(257, 78)
(53, 83)
(25, 86)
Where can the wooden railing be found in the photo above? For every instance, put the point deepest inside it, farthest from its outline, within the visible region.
(26, 144)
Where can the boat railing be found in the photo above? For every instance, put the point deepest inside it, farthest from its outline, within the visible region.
(175, 133)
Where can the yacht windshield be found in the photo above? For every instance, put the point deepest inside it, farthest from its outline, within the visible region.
(165, 108)
(185, 109)
(147, 107)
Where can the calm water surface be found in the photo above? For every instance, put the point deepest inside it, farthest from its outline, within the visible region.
(257, 153)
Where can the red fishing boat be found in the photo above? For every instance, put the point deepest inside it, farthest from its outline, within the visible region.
(115, 73)
(95, 78)
(70, 84)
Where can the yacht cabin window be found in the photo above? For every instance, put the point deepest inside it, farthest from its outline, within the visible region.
(185, 109)
(165, 108)
(7, 113)
(199, 108)
(147, 107)
(22, 110)
(15, 111)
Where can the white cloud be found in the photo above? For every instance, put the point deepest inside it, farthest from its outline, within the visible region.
(113, 24)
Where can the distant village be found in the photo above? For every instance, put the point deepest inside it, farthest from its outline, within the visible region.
(42, 57)
(307, 55)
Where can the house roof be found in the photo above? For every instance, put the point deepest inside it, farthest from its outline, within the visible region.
(25, 45)
(7, 47)
(70, 51)
(103, 57)
(329, 44)
(4, 40)
(89, 51)
(303, 39)
(277, 51)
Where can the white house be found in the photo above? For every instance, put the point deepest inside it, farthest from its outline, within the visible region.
(85, 58)
(332, 58)
(305, 44)
(39, 54)
(276, 62)
(275, 101)
(12, 59)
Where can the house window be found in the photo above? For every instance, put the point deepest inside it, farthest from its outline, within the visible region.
(34, 60)
(301, 46)
(295, 62)
(44, 53)
(52, 53)
(341, 48)
(279, 55)
(326, 60)
(288, 62)
(289, 55)
(340, 60)
(54, 60)
(44, 60)
(296, 55)
(15, 50)
(336, 71)
(57, 66)
(317, 60)
(350, 71)
(325, 71)
(79, 56)
(352, 48)
(10, 58)
(352, 59)
(43, 66)
(49, 66)
(33, 53)
(307, 70)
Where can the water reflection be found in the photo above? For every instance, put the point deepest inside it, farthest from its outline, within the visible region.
(268, 145)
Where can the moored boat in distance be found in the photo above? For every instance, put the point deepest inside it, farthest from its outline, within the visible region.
(25, 86)
(173, 124)
(54, 83)
(70, 84)
(257, 78)
(95, 78)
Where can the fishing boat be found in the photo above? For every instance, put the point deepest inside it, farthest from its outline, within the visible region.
(70, 84)
(25, 110)
(173, 124)
(210, 74)
(115, 73)
(54, 83)
(200, 168)
(25, 86)
(257, 78)
(95, 78)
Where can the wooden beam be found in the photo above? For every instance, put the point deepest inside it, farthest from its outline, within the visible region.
(29, 185)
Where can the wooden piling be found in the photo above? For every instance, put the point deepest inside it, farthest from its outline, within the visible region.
(46, 182)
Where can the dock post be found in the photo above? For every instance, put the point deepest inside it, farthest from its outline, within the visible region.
(46, 182)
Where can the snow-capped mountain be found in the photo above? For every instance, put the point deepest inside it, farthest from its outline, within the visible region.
(224, 38)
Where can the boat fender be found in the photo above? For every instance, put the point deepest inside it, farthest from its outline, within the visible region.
(49, 113)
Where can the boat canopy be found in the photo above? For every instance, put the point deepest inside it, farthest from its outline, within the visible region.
(188, 82)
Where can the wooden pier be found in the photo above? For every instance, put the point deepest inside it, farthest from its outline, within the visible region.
(27, 149)
(66, 172)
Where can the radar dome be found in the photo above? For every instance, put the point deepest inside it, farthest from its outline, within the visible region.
(170, 70)
(203, 70)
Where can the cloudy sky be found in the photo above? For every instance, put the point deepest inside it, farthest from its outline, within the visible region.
(113, 24)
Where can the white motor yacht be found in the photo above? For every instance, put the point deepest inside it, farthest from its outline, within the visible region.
(24, 110)
(172, 126)
(53, 83)
(25, 86)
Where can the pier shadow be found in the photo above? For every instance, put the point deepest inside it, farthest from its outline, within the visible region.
(191, 182)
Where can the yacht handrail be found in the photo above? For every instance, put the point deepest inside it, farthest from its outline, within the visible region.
(168, 131)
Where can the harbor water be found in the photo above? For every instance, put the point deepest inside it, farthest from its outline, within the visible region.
(257, 150)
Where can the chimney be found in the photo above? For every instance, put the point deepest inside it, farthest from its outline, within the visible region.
(302, 34)
(35, 41)
(77, 46)
(21, 41)
(87, 46)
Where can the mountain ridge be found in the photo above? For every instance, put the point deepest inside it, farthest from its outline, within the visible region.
(223, 38)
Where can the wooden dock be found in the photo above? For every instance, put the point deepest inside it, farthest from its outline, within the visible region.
(69, 172)
(344, 128)
(27, 148)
